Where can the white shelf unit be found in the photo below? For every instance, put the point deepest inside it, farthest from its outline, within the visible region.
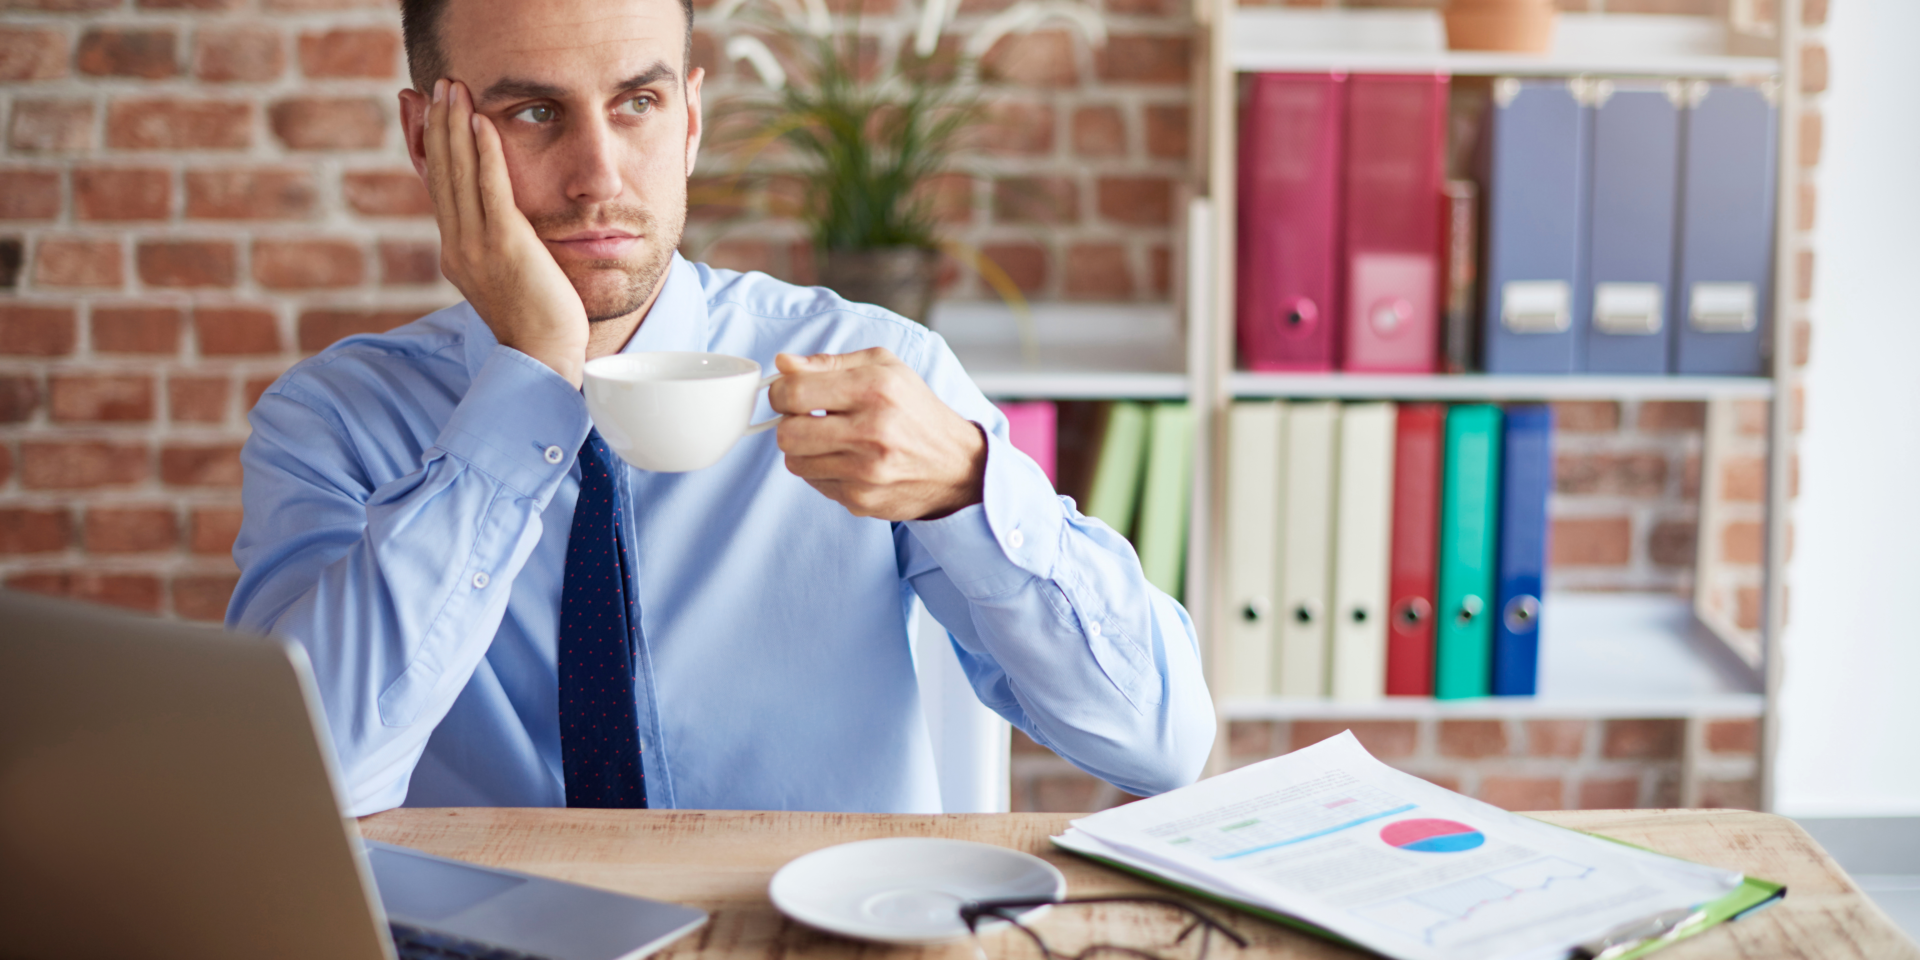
(1077, 351)
(1604, 656)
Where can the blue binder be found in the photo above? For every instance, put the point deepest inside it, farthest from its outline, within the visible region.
(1536, 193)
(1526, 476)
(1630, 247)
(1724, 297)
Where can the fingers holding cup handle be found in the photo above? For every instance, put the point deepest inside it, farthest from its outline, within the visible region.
(765, 424)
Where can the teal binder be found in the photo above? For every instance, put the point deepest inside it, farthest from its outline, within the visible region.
(1469, 534)
(1162, 543)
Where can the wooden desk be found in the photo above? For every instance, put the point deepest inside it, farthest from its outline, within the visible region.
(721, 862)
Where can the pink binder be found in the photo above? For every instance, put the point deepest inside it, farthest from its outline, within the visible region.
(1030, 425)
(1396, 170)
(1289, 207)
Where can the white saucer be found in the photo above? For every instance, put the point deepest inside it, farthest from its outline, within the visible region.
(907, 889)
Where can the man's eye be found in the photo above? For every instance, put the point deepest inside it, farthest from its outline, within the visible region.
(639, 106)
(538, 113)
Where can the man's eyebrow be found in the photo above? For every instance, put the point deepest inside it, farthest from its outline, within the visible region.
(514, 88)
(654, 74)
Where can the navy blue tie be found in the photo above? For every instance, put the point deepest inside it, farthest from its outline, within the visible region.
(599, 737)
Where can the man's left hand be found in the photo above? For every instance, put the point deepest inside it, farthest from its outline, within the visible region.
(887, 447)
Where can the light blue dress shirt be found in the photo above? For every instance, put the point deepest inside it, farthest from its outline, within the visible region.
(408, 501)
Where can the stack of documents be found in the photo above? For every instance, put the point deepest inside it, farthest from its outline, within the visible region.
(1333, 840)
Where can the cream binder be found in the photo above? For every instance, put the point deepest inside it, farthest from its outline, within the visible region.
(1254, 433)
(1306, 552)
(1362, 542)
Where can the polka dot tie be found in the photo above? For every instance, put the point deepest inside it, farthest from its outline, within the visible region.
(599, 736)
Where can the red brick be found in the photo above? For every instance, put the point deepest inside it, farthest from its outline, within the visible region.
(1673, 543)
(1441, 780)
(1052, 200)
(104, 193)
(1523, 793)
(36, 330)
(62, 6)
(1803, 275)
(1617, 474)
(351, 52)
(147, 124)
(1642, 740)
(1591, 541)
(89, 398)
(203, 596)
(1167, 130)
(1143, 58)
(133, 591)
(127, 52)
(1014, 127)
(1024, 744)
(1473, 739)
(197, 399)
(200, 466)
(1813, 68)
(321, 123)
(1812, 130)
(1586, 416)
(24, 530)
(49, 126)
(186, 263)
(213, 529)
(131, 529)
(29, 194)
(1556, 738)
(1098, 271)
(252, 389)
(1690, 476)
(1746, 608)
(405, 262)
(1620, 793)
(1751, 417)
(386, 193)
(951, 196)
(320, 328)
(295, 6)
(1744, 479)
(1250, 739)
(80, 464)
(6, 463)
(1160, 269)
(32, 53)
(257, 193)
(136, 330)
(236, 331)
(1813, 13)
(191, 4)
(1802, 339)
(1137, 201)
(1671, 416)
(1385, 739)
(1808, 209)
(1734, 736)
(1743, 542)
(1730, 794)
(1099, 132)
(1147, 8)
(13, 254)
(1064, 793)
(19, 398)
(77, 262)
(1043, 58)
(243, 54)
(1023, 263)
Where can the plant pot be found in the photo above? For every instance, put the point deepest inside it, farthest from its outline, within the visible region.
(1514, 26)
(898, 278)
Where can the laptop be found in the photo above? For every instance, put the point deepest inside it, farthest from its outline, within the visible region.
(167, 790)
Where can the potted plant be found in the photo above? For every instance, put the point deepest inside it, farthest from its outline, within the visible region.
(867, 140)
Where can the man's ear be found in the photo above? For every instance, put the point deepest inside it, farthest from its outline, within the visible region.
(695, 124)
(413, 123)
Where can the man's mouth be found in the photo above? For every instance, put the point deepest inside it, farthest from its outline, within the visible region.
(597, 244)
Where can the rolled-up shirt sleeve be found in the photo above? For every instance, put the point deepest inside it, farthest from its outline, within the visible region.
(395, 575)
(1054, 621)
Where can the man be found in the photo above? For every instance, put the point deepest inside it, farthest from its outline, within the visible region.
(501, 613)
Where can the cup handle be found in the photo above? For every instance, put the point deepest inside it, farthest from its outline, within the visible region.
(765, 424)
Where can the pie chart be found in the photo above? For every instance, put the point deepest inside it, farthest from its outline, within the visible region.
(1432, 836)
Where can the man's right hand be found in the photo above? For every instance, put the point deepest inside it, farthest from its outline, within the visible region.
(487, 247)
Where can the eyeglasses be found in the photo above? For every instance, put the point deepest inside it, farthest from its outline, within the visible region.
(1012, 909)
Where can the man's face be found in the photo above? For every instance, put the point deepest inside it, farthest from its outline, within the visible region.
(599, 126)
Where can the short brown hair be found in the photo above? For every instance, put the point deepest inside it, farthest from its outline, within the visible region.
(426, 62)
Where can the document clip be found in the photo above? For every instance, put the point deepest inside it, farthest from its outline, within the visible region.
(1630, 936)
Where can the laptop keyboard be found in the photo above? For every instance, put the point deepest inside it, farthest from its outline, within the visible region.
(413, 943)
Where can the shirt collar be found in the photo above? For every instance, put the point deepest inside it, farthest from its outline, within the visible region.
(677, 320)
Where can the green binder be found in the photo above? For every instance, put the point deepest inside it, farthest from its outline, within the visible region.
(1163, 503)
(1469, 511)
(1115, 495)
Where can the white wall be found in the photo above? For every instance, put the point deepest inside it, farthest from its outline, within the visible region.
(1850, 704)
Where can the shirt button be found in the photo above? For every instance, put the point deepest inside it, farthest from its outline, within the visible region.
(554, 454)
(480, 580)
(1093, 629)
(1016, 540)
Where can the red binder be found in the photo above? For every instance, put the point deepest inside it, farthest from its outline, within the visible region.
(1289, 207)
(1396, 168)
(1419, 439)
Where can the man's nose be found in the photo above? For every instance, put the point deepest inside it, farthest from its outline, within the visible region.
(593, 170)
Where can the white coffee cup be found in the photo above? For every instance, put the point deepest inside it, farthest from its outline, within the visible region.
(671, 412)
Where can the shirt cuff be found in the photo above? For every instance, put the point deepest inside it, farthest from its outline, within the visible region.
(520, 423)
(1010, 536)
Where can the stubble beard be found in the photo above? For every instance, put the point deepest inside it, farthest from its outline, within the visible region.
(635, 279)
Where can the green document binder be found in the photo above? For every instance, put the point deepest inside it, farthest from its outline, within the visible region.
(1163, 503)
(1115, 493)
(1469, 512)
